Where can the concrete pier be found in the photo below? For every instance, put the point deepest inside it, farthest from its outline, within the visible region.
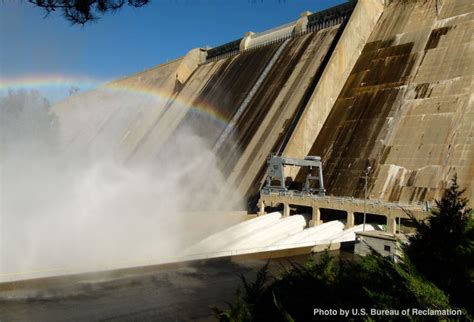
(391, 211)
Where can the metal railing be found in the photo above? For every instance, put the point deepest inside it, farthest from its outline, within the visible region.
(369, 202)
(314, 28)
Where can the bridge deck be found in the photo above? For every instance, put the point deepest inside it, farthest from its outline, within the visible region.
(391, 210)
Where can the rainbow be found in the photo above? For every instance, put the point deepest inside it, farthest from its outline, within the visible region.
(206, 110)
(86, 83)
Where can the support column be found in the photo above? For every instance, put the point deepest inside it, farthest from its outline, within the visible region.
(392, 225)
(261, 208)
(350, 219)
(316, 217)
(286, 210)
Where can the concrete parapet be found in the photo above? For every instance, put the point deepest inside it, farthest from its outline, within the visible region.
(245, 42)
(302, 23)
(189, 63)
(271, 34)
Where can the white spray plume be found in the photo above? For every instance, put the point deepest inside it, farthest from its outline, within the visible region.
(60, 212)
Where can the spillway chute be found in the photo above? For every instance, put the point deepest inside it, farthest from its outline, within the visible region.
(218, 241)
(348, 234)
(319, 232)
(269, 235)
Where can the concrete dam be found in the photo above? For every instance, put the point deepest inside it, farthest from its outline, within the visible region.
(166, 171)
(372, 84)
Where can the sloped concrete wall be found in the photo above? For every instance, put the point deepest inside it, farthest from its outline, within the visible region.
(256, 94)
(406, 108)
(390, 90)
(207, 101)
(353, 39)
(284, 94)
(111, 120)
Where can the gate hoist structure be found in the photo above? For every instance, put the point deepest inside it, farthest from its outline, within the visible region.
(276, 172)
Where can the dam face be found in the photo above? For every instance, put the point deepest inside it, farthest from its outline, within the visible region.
(406, 108)
(387, 84)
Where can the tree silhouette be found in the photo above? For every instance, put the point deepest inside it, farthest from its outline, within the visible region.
(443, 247)
(82, 11)
(369, 282)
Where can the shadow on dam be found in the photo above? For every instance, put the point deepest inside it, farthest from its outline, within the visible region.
(252, 99)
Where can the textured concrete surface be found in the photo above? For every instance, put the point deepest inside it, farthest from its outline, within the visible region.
(406, 108)
(270, 114)
(258, 92)
(392, 90)
(343, 59)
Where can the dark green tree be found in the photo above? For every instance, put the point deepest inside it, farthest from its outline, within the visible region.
(436, 272)
(246, 303)
(442, 249)
(369, 282)
(82, 11)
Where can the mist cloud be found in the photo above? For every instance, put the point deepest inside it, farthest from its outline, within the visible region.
(59, 212)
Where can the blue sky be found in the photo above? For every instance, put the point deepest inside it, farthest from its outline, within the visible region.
(130, 40)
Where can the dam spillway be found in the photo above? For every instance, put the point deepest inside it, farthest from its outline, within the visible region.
(404, 105)
(385, 84)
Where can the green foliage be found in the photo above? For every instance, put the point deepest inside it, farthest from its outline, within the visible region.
(244, 307)
(237, 312)
(370, 282)
(438, 263)
(390, 285)
(283, 313)
(442, 249)
(255, 290)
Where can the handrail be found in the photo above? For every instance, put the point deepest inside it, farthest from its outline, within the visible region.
(375, 202)
(311, 29)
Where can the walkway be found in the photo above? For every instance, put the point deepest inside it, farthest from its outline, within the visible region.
(391, 210)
